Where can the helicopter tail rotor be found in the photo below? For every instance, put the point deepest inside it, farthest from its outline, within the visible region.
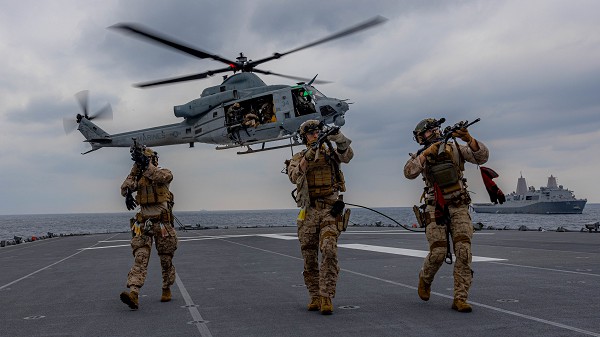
(82, 97)
(69, 124)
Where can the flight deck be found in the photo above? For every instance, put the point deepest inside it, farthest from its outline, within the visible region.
(248, 282)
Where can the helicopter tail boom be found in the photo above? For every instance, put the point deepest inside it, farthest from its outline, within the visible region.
(93, 134)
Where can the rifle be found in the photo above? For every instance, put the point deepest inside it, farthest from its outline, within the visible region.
(449, 130)
(323, 134)
(136, 150)
(137, 155)
(447, 133)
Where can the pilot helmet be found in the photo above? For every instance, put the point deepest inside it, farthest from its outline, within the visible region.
(309, 125)
(424, 125)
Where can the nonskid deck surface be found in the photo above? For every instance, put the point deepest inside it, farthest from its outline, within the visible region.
(248, 282)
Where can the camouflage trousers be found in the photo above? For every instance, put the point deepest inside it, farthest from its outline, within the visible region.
(462, 233)
(318, 231)
(165, 246)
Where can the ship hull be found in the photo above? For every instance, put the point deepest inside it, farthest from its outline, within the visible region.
(550, 207)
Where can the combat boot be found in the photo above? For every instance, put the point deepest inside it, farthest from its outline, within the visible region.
(166, 295)
(461, 306)
(326, 306)
(424, 289)
(130, 298)
(315, 303)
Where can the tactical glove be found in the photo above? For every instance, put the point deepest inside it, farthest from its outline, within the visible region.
(463, 134)
(130, 201)
(310, 154)
(142, 162)
(340, 140)
(432, 149)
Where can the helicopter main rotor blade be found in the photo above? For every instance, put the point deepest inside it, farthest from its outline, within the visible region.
(267, 72)
(354, 29)
(140, 31)
(82, 98)
(182, 78)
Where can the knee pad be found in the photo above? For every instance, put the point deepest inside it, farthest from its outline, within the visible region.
(462, 250)
(328, 241)
(141, 255)
(438, 254)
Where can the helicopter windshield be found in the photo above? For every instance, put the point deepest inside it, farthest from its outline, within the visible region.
(310, 90)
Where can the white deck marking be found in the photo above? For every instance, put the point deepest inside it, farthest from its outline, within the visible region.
(279, 236)
(197, 318)
(180, 238)
(46, 267)
(500, 310)
(508, 312)
(406, 252)
(550, 269)
(103, 247)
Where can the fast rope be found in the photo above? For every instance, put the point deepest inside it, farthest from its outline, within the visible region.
(401, 225)
(447, 259)
(177, 220)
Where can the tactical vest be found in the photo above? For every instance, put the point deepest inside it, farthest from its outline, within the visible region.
(152, 193)
(322, 178)
(446, 170)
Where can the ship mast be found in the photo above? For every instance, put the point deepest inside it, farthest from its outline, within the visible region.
(521, 186)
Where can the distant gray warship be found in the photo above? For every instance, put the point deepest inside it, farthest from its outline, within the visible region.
(551, 199)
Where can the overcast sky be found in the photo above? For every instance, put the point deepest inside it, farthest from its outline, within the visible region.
(529, 69)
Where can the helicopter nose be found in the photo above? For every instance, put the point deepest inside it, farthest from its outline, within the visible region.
(343, 106)
(339, 120)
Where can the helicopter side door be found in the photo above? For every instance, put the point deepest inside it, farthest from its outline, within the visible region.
(252, 119)
(267, 127)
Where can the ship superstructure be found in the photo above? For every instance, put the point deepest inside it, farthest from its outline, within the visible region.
(551, 199)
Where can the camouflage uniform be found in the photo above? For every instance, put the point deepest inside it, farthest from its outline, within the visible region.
(156, 203)
(318, 230)
(460, 221)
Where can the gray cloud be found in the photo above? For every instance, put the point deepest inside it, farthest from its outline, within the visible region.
(529, 70)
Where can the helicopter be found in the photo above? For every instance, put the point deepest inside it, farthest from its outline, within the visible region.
(242, 111)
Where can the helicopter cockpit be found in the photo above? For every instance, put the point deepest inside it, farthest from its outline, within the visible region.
(303, 101)
(312, 100)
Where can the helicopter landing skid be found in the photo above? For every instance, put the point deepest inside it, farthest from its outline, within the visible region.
(251, 150)
(263, 142)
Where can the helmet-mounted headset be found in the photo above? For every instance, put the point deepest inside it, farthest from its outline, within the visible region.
(425, 125)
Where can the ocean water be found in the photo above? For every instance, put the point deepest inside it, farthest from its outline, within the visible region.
(27, 226)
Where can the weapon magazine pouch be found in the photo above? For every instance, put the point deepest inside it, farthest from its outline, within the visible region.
(148, 227)
(342, 220)
(337, 208)
(150, 194)
(420, 215)
(445, 174)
